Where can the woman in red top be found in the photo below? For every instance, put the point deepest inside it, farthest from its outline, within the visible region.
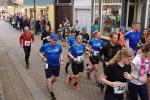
(26, 39)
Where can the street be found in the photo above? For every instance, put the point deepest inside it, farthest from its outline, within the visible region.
(19, 83)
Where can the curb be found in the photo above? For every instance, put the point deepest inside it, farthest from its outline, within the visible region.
(1, 92)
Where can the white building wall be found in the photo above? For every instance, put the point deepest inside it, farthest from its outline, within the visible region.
(82, 13)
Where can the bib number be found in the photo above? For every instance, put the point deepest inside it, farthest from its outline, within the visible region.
(80, 58)
(121, 88)
(96, 53)
(46, 66)
(27, 43)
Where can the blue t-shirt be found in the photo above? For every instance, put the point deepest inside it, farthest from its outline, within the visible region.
(77, 50)
(71, 40)
(52, 53)
(96, 44)
(133, 38)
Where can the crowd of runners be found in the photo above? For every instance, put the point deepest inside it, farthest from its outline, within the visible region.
(125, 57)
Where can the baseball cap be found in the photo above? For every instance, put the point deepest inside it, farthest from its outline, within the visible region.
(123, 28)
(54, 37)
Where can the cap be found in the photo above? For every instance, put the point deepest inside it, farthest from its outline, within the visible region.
(54, 37)
(123, 28)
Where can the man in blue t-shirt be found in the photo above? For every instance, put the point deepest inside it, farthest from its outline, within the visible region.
(71, 40)
(133, 36)
(51, 54)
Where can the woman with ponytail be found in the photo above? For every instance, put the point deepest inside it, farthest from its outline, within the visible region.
(114, 76)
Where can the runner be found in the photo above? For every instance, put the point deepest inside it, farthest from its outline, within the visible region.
(76, 54)
(86, 37)
(114, 75)
(46, 35)
(133, 37)
(121, 39)
(140, 69)
(26, 39)
(109, 50)
(51, 53)
(71, 41)
(96, 44)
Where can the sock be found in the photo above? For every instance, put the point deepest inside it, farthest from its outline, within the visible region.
(52, 94)
(66, 67)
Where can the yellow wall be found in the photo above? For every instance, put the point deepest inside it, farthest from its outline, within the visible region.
(10, 9)
(51, 13)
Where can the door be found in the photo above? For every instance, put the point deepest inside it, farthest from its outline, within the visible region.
(62, 12)
(84, 18)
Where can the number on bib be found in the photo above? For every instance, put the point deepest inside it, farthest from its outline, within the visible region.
(27, 43)
(121, 88)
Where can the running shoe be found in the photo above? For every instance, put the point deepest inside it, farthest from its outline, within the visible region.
(27, 66)
(69, 80)
(53, 98)
(77, 87)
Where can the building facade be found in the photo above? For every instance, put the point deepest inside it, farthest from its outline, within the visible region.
(113, 13)
(82, 11)
(44, 8)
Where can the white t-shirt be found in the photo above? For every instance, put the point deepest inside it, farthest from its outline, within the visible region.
(135, 72)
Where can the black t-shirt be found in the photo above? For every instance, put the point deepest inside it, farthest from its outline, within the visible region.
(85, 37)
(109, 51)
(115, 72)
(45, 34)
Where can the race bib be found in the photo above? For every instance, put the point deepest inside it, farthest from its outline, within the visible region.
(79, 58)
(46, 66)
(95, 53)
(121, 88)
(27, 43)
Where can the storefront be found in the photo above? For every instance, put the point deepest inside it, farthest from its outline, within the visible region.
(113, 13)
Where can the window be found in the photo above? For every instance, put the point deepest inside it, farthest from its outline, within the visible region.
(111, 17)
(112, 1)
(64, 1)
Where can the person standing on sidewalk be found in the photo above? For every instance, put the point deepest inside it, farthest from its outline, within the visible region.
(26, 39)
(51, 54)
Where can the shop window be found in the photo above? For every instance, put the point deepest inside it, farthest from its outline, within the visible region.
(111, 17)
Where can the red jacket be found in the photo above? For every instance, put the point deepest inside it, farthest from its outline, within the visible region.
(26, 37)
